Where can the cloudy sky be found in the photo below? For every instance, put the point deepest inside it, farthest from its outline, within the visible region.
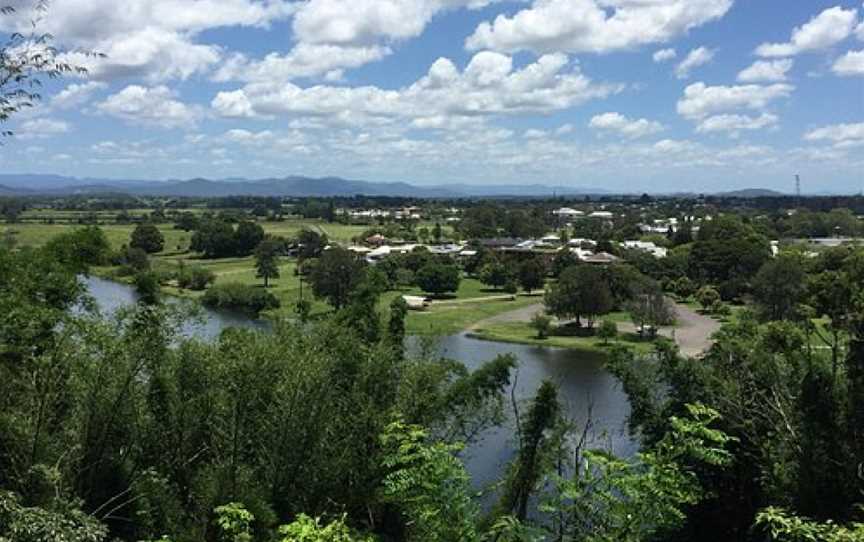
(634, 95)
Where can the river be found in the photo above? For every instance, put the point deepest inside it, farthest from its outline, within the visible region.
(583, 382)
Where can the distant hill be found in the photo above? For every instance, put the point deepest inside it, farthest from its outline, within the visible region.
(294, 186)
(753, 193)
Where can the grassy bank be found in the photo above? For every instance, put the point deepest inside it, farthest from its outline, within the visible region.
(522, 333)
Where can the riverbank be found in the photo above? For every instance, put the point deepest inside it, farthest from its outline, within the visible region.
(692, 332)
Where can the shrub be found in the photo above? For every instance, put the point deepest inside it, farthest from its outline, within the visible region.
(405, 278)
(240, 297)
(707, 296)
(542, 323)
(607, 330)
(195, 278)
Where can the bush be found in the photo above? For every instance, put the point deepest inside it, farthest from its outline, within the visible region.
(542, 323)
(721, 309)
(240, 297)
(607, 330)
(195, 278)
(707, 296)
(405, 278)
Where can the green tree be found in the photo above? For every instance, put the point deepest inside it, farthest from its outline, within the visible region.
(429, 485)
(607, 330)
(728, 253)
(496, 274)
(147, 287)
(148, 238)
(541, 323)
(438, 278)
(651, 308)
(437, 232)
(311, 244)
(779, 286)
(19, 523)
(267, 261)
(526, 470)
(532, 274)
(581, 291)
(335, 276)
(81, 248)
(707, 297)
(645, 497)
(247, 237)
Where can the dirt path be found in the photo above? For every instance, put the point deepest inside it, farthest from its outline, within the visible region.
(693, 332)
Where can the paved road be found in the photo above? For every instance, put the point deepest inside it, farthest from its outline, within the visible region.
(693, 332)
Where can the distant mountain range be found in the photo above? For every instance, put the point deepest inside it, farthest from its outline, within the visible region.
(294, 186)
(298, 186)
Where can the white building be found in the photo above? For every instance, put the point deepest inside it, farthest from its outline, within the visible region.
(566, 213)
(647, 246)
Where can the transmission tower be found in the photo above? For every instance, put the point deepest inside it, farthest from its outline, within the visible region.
(797, 190)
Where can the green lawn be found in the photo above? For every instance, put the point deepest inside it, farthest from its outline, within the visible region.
(522, 333)
(35, 235)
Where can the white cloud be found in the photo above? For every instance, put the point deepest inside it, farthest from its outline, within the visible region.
(152, 39)
(42, 128)
(822, 31)
(664, 54)
(695, 58)
(76, 94)
(248, 137)
(533, 133)
(153, 54)
(304, 60)
(850, 64)
(734, 124)
(362, 22)
(700, 101)
(766, 71)
(334, 35)
(487, 86)
(841, 135)
(594, 25)
(859, 32)
(150, 106)
(565, 129)
(629, 128)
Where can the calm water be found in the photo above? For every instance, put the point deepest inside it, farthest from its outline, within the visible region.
(582, 381)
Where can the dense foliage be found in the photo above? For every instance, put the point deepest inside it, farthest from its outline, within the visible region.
(240, 297)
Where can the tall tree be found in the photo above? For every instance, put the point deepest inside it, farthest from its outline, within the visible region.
(527, 469)
(581, 292)
(532, 274)
(267, 261)
(335, 276)
(779, 286)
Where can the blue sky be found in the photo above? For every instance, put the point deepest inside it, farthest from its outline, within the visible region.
(632, 95)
